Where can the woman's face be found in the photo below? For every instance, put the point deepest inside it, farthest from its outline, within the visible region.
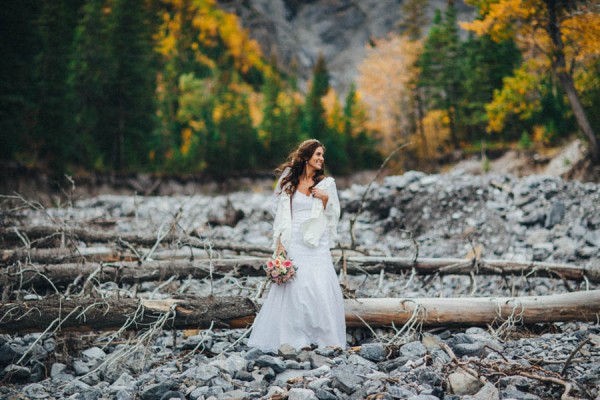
(317, 159)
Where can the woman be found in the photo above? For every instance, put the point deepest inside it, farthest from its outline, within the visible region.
(308, 309)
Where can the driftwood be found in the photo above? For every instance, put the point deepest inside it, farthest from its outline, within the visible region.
(46, 235)
(83, 314)
(128, 272)
(236, 312)
(63, 255)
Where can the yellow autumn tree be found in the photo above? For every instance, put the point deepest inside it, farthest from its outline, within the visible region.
(563, 38)
(386, 84)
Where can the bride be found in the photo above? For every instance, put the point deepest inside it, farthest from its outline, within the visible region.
(308, 309)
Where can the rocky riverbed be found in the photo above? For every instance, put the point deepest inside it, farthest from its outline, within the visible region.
(535, 218)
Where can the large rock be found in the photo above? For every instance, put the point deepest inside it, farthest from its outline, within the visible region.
(462, 383)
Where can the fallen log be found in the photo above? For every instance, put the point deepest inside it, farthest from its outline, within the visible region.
(83, 314)
(46, 235)
(467, 266)
(38, 276)
(237, 312)
(63, 255)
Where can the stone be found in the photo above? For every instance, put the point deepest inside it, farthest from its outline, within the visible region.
(243, 376)
(157, 391)
(346, 382)
(231, 364)
(413, 350)
(542, 251)
(512, 392)
(424, 397)
(358, 360)
(555, 215)
(58, 373)
(253, 354)
(373, 351)
(76, 386)
(123, 382)
(301, 394)
(322, 394)
(202, 373)
(220, 347)
(268, 361)
(124, 395)
(398, 392)
(81, 367)
(318, 383)
(468, 349)
(275, 390)
(94, 353)
(236, 394)
(487, 392)
(35, 391)
(15, 372)
(462, 383)
(287, 352)
(317, 360)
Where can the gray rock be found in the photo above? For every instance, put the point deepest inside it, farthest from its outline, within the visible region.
(58, 373)
(287, 352)
(346, 382)
(173, 395)
(94, 353)
(202, 373)
(322, 394)
(511, 392)
(76, 387)
(199, 392)
(317, 360)
(469, 349)
(236, 394)
(487, 392)
(243, 376)
(15, 372)
(301, 394)
(124, 395)
(35, 391)
(253, 354)
(318, 383)
(413, 350)
(268, 361)
(358, 360)
(542, 251)
(220, 347)
(231, 364)
(157, 391)
(555, 215)
(373, 351)
(293, 364)
(81, 367)
(424, 397)
(462, 383)
(399, 392)
(124, 382)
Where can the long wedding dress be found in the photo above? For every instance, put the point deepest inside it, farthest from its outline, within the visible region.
(309, 309)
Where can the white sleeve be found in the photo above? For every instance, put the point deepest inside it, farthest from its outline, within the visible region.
(332, 210)
(277, 191)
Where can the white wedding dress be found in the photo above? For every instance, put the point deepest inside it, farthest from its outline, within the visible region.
(309, 309)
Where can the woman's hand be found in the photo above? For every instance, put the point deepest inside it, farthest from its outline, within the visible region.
(320, 194)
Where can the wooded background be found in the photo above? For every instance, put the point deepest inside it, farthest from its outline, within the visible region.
(178, 86)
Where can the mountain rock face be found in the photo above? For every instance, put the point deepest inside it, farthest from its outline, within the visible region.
(295, 32)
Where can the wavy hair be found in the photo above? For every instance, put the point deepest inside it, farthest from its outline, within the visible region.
(296, 162)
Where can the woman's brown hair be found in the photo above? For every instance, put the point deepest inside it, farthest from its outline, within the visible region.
(296, 162)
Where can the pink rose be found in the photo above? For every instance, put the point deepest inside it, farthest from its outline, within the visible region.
(287, 263)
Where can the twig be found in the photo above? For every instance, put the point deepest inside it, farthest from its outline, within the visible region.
(362, 200)
(575, 351)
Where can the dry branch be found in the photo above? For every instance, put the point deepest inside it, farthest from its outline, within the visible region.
(234, 312)
(10, 236)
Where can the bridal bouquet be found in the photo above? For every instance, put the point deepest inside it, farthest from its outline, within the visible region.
(279, 268)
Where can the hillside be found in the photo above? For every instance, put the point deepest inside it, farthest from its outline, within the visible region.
(296, 31)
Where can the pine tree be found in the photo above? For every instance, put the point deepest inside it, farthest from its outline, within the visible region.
(132, 86)
(314, 121)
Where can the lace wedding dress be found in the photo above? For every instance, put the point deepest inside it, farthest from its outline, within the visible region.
(309, 309)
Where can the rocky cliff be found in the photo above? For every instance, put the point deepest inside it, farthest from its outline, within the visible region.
(297, 31)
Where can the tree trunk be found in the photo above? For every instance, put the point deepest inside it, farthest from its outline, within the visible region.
(80, 314)
(469, 311)
(39, 276)
(565, 78)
